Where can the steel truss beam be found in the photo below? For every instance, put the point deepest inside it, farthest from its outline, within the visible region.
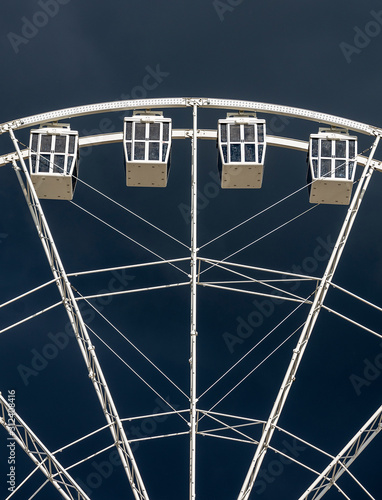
(79, 328)
(345, 458)
(39, 454)
(298, 352)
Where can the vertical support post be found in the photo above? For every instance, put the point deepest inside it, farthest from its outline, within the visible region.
(87, 349)
(298, 352)
(193, 332)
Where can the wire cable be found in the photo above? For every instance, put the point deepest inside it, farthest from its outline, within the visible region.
(280, 201)
(256, 367)
(130, 343)
(262, 237)
(131, 212)
(136, 373)
(284, 224)
(252, 280)
(253, 216)
(255, 346)
(125, 235)
(107, 197)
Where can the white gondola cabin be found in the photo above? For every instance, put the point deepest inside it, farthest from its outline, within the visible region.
(147, 145)
(53, 161)
(332, 163)
(241, 143)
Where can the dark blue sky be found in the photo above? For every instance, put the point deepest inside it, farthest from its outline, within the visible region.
(322, 56)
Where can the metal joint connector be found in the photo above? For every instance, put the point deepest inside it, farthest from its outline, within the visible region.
(191, 101)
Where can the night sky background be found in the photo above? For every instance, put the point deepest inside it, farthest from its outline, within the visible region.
(323, 56)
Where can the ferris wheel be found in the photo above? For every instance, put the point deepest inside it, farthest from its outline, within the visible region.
(195, 287)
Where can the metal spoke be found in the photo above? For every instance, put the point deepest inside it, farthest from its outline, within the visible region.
(193, 331)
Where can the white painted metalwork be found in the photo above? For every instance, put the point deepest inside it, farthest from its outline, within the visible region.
(315, 304)
(193, 326)
(147, 144)
(180, 102)
(53, 161)
(241, 143)
(32, 316)
(345, 458)
(356, 323)
(136, 290)
(332, 164)
(79, 328)
(115, 137)
(39, 454)
(260, 294)
(133, 266)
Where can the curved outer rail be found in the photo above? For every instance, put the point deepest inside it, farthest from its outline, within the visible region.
(178, 102)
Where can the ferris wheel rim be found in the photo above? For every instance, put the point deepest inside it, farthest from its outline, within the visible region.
(186, 102)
